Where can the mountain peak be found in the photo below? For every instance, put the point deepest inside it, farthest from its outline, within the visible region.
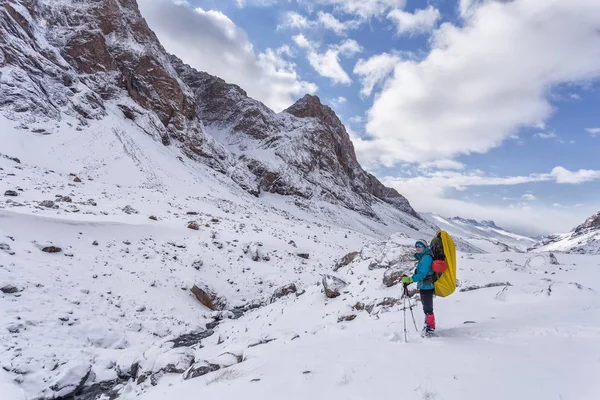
(310, 106)
(590, 224)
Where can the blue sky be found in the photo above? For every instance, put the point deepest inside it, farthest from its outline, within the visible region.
(480, 108)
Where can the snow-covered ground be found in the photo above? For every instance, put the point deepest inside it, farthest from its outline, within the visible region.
(118, 293)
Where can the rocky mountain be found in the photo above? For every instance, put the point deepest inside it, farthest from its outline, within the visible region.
(485, 235)
(65, 64)
(584, 238)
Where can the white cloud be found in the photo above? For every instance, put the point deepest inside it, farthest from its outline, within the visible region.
(428, 192)
(543, 135)
(443, 164)
(348, 48)
(209, 41)
(574, 96)
(257, 3)
(292, 19)
(357, 119)
(302, 42)
(422, 21)
(563, 175)
(327, 64)
(593, 131)
(330, 22)
(483, 80)
(362, 8)
(339, 101)
(375, 70)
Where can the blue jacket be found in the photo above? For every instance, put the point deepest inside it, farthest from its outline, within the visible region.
(423, 269)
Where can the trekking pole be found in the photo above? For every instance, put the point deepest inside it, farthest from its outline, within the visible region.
(404, 308)
(411, 308)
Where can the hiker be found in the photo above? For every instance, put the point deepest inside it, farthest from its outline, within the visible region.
(424, 278)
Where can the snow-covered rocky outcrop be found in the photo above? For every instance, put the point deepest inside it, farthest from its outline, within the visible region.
(583, 239)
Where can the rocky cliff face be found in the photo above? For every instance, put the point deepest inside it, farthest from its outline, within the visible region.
(314, 155)
(592, 224)
(71, 62)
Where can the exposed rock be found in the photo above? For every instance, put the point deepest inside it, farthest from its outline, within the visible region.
(489, 285)
(283, 291)
(252, 250)
(359, 306)
(9, 289)
(347, 259)
(197, 264)
(194, 226)
(12, 193)
(77, 180)
(346, 317)
(303, 255)
(292, 243)
(65, 199)
(91, 202)
(332, 285)
(227, 359)
(71, 381)
(393, 275)
(191, 339)
(200, 368)
(51, 249)
(95, 243)
(129, 210)
(127, 367)
(47, 203)
(153, 217)
(209, 298)
(5, 247)
(262, 341)
(553, 260)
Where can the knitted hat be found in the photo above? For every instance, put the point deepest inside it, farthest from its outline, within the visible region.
(422, 241)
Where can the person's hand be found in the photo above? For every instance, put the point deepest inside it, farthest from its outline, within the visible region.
(406, 280)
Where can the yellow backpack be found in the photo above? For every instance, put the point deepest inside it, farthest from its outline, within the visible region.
(444, 264)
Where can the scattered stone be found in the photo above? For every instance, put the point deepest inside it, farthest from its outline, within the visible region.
(11, 193)
(291, 242)
(191, 213)
(153, 217)
(255, 380)
(553, 260)
(346, 317)
(8, 289)
(283, 291)
(197, 264)
(359, 306)
(306, 372)
(66, 199)
(77, 180)
(140, 309)
(91, 202)
(214, 220)
(51, 249)
(47, 203)
(469, 322)
(95, 243)
(252, 250)
(332, 285)
(347, 259)
(194, 226)
(209, 298)
(303, 255)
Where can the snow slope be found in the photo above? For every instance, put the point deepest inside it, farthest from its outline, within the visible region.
(484, 235)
